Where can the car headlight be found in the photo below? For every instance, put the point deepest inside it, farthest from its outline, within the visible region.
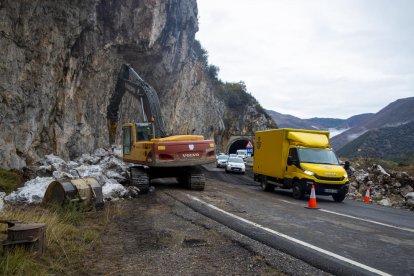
(309, 172)
(345, 175)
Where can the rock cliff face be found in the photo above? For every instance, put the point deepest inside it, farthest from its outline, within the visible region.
(60, 63)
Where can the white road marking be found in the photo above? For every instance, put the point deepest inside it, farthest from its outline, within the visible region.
(339, 257)
(368, 220)
(287, 201)
(357, 218)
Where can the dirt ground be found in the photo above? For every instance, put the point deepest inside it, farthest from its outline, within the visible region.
(156, 235)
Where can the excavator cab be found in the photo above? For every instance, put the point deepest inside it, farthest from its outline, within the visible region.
(136, 140)
(144, 131)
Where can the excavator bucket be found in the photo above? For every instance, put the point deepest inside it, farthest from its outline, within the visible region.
(85, 191)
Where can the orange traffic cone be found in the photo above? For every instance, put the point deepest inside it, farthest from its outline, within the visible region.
(367, 197)
(312, 199)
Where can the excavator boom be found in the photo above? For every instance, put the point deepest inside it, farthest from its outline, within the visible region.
(129, 80)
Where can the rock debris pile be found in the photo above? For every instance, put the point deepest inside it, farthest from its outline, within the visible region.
(103, 165)
(392, 188)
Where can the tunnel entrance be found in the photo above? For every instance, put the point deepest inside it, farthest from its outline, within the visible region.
(238, 144)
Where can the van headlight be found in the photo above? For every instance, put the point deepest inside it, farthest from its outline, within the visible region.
(309, 172)
(345, 175)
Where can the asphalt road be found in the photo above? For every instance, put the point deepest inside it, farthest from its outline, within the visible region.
(349, 238)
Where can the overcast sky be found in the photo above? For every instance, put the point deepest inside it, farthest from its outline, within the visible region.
(313, 58)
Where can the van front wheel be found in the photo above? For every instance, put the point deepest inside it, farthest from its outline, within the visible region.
(339, 197)
(298, 192)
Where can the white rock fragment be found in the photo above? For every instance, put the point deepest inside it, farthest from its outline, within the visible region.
(112, 189)
(117, 151)
(2, 196)
(89, 159)
(72, 164)
(53, 159)
(361, 175)
(62, 175)
(406, 190)
(385, 202)
(100, 152)
(114, 175)
(32, 192)
(89, 170)
(380, 169)
(410, 199)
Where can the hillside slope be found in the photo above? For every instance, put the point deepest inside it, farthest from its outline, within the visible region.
(327, 123)
(389, 143)
(289, 121)
(396, 113)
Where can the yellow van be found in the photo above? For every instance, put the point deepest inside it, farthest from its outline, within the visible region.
(295, 159)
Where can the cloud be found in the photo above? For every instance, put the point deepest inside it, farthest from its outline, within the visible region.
(313, 58)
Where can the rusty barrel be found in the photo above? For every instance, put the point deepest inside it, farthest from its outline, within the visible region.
(85, 191)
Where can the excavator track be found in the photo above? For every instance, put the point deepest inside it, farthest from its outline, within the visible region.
(140, 179)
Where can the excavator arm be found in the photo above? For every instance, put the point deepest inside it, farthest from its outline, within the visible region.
(129, 80)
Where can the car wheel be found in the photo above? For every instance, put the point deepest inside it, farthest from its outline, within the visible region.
(298, 192)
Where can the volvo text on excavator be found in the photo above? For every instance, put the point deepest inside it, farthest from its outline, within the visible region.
(146, 143)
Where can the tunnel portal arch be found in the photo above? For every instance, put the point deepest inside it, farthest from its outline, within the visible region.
(237, 143)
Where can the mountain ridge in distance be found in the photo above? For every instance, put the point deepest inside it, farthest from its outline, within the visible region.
(394, 114)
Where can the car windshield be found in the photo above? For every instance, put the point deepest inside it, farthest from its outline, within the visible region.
(236, 160)
(317, 156)
(223, 157)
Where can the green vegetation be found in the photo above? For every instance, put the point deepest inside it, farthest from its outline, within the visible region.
(200, 53)
(71, 234)
(233, 94)
(9, 180)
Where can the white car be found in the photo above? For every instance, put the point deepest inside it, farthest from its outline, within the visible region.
(222, 161)
(242, 152)
(235, 164)
(241, 156)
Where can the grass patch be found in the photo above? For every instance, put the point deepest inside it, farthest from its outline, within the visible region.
(9, 180)
(20, 262)
(71, 236)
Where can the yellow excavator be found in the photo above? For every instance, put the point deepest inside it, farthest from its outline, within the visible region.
(146, 144)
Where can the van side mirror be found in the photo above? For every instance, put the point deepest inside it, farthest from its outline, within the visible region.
(290, 160)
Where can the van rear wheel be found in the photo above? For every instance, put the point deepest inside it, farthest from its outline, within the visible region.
(298, 192)
(265, 186)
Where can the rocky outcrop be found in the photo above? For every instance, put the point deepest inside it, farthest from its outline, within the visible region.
(60, 62)
(392, 188)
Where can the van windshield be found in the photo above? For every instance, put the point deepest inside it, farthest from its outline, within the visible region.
(317, 156)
